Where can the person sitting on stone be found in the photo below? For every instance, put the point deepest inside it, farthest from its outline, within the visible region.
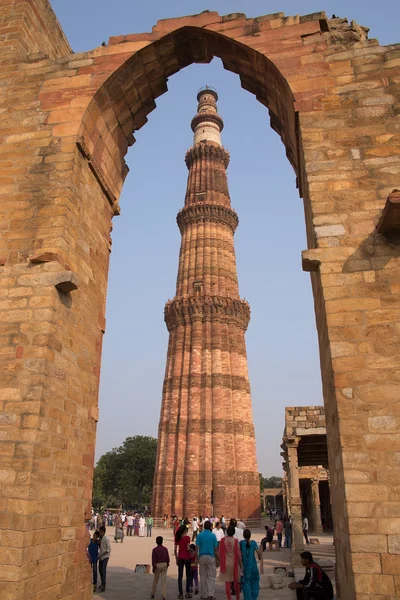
(316, 584)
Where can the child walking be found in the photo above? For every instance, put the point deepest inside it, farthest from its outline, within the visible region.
(93, 551)
(194, 570)
(160, 562)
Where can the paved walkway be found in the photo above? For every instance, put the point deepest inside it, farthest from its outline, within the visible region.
(124, 584)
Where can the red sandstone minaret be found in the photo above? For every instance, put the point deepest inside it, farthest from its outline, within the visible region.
(206, 459)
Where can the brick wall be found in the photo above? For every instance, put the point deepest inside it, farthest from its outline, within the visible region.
(302, 418)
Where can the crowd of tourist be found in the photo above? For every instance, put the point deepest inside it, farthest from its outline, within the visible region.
(125, 523)
(213, 544)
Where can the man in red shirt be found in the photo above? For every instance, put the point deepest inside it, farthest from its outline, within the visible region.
(160, 562)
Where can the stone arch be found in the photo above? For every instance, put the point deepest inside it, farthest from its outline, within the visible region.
(337, 113)
(121, 105)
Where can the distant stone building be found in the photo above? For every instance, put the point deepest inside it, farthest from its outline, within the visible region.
(306, 467)
(206, 461)
(274, 498)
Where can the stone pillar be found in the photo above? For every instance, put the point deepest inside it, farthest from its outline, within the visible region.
(316, 507)
(294, 500)
(286, 503)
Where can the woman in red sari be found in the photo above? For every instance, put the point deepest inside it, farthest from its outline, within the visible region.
(230, 562)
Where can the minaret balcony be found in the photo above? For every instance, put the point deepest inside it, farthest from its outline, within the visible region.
(207, 150)
(207, 117)
(207, 212)
(187, 310)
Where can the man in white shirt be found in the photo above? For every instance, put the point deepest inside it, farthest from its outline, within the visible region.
(142, 523)
(104, 555)
(305, 529)
(218, 532)
(195, 528)
(129, 520)
(239, 530)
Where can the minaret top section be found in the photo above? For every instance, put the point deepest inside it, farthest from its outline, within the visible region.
(207, 124)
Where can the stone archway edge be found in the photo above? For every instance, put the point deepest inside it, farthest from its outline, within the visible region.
(279, 38)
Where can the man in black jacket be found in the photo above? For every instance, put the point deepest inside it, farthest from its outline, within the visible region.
(316, 584)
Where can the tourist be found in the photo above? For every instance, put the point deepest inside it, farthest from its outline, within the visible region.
(142, 525)
(230, 563)
(93, 552)
(208, 557)
(104, 555)
(165, 524)
(239, 530)
(305, 529)
(117, 522)
(130, 521)
(251, 576)
(175, 524)
(219, 534)
(315, 580)
(195, 529)
(149, 525)
(269, 536)
(183, 559)
(223, 524)
(194, 570)
(201, 524)
(119, 534)
(160, 562)
(288, 533)
(136, 525)
(279, 530)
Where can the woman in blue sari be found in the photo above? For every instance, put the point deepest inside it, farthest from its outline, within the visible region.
(251, 576)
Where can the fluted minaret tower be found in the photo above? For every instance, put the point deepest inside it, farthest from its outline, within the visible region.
(206, 459)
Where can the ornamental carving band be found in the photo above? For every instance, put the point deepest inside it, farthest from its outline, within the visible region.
(203, 426)
(206, 308)
(207, 150)
(207, 212)
(204, 380)
(207, 117)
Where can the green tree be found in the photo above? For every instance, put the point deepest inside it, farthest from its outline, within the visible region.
(125, 474)
(273, 482)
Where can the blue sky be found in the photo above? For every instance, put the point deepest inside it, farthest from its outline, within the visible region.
(281, 340)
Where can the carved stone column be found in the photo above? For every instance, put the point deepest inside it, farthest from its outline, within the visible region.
(294, 499)
(286, 498)
(316, 507)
